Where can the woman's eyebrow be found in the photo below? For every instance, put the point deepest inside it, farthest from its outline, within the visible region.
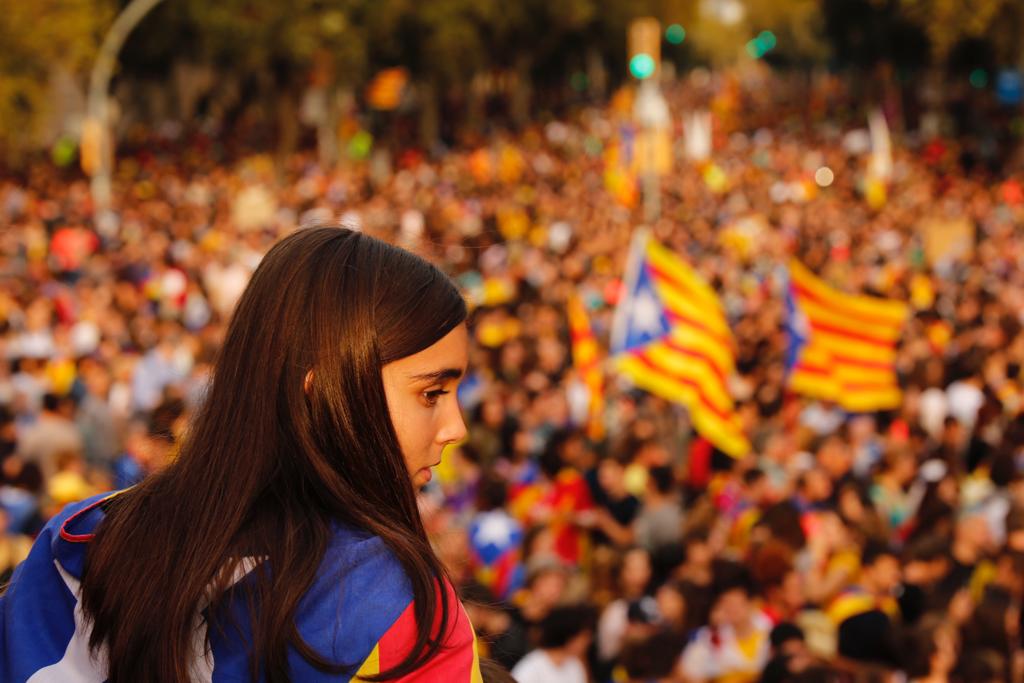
(438, 375)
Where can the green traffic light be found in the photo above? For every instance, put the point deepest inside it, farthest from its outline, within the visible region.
(767, 40)
(675, 34)
(754, 49)
(641, 66)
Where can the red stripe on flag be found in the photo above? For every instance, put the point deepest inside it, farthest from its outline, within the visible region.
(677, 347)
(701, 397)
(856, 336)
(861, 363)
(678, 319)
(811, 369)
(452, 664)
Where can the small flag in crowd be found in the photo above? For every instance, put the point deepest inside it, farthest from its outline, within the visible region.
(671, 337)
(587, 361)
(842, 346)
(495, 539)
(619, 178)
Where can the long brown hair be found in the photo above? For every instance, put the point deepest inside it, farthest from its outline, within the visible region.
(265, 467)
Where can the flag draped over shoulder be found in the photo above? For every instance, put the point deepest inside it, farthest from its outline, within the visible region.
(842, 346)
(358, 611)
(671, 338)
(587, 361)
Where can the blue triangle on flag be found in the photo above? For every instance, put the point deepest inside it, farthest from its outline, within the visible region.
(646, 318)
(797, 330)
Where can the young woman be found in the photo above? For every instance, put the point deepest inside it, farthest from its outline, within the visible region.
(284, 542)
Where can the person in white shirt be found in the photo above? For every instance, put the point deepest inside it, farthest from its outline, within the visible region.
(634, 575)
(734, 647)
(565, 636)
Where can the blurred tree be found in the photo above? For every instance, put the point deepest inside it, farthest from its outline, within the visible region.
(540, 42)
(864, 33)
(1007, 34)
(441, 42)
(948, 22)
(798, 25)
(281, 48)
(720, 29)
(38, 38)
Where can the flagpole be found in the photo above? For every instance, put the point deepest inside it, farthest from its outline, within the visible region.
(620, 321)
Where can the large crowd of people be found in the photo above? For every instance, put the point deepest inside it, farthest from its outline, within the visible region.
(869, 547)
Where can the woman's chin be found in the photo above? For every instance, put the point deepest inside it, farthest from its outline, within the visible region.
(422, 477)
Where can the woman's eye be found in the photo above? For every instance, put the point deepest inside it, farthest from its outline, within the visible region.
(432, 396)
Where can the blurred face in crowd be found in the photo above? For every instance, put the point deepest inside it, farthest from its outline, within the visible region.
(698, 552)
(972, 533)
(817, 486)
(609, 476)
(548, 587)
(791, 591)
(884, 575)
(573, 451)
(904, 468)
(636, 572)
(732, 609)
(850, 504)
(420, 391)
(835, 458)
(671, 605)
(493, 412)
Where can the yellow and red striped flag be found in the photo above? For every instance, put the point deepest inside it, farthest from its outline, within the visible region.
(671, 338)
(842, 346)
(586, 358)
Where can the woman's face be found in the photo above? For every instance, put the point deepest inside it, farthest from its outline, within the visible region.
(420, 391)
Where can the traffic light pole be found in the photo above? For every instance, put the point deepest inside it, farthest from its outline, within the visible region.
(651, 182)
(651, 113)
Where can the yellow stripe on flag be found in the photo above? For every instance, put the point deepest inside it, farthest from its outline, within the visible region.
(837, 345)
(822, 315)
(694, 369)
(690, 282)
(869, 309)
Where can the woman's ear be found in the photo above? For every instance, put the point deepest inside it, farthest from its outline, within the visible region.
(308, 382)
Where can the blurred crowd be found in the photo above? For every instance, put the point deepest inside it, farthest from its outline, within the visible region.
(871, 547)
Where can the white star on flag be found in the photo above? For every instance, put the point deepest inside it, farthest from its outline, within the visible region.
(646, 314)
(495, 529)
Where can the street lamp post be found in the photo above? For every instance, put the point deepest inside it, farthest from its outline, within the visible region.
(98, 104)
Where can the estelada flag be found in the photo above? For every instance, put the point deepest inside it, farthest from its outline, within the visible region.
(671, 338)
(842, 347)
(586, 359)
(358, 611)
